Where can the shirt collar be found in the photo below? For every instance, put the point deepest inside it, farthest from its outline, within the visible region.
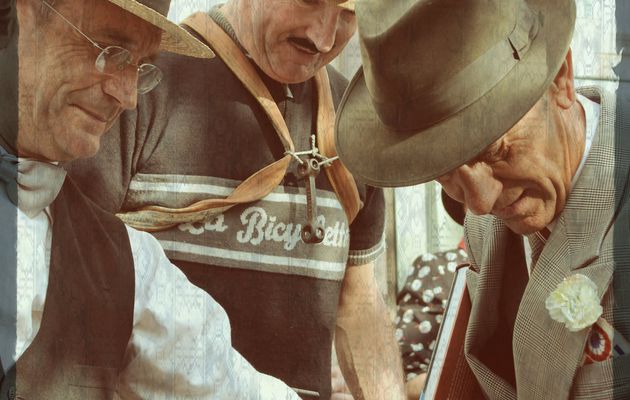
(592, 112)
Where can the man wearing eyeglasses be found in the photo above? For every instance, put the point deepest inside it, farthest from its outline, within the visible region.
(199, 138)
(89, 308)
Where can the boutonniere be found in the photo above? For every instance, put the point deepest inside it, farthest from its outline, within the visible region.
(575, 303)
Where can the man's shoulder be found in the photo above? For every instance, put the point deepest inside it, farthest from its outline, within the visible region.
(178, 69)
(191, 89)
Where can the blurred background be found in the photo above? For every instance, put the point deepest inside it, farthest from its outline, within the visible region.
(417, 222)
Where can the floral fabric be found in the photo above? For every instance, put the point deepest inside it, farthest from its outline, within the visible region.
(421, 304)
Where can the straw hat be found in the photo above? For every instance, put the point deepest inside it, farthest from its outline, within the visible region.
(444, 79)
(174, 38)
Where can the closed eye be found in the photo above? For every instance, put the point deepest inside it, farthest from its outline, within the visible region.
(497, 151)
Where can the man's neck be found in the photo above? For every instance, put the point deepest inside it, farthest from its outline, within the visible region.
(218, 16)
(238, 15)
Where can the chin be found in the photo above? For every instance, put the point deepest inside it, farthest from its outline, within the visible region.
(289, 74)
(81, 148)
(87, 151)
(297, 77)
(527, 225)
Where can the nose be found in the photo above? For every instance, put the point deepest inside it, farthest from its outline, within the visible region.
(323, 31)
(123, 87)
(475, 185)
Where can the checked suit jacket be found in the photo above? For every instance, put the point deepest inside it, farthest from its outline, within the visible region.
(591, 237)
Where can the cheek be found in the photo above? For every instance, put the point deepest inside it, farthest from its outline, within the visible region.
(270, 48)
(266, 33)
(62, 78)
(539, 178)
(51, 105)
(348, 26)
(547, 170)
(62, 122)
(344, 33)
(75, 138)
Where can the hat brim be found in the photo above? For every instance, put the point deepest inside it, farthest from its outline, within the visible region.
(380, 156)
(174, 38)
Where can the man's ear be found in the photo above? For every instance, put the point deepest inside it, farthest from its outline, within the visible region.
(563, 86)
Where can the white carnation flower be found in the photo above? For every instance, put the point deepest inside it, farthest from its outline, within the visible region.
(575, 303)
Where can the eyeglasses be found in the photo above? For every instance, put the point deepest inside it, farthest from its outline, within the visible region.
(112, 60)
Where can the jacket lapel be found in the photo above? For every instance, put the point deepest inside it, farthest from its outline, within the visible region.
(546, 354)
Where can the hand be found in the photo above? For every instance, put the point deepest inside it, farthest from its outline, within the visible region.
(340, 390)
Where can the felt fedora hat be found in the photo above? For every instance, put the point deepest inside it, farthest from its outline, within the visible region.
(444, 79)
(174, 38)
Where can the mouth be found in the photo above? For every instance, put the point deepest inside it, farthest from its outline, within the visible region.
(303, 45)
(104, 118)
(512, 210)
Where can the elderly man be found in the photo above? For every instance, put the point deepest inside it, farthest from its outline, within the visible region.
(100, 311)
(483, 100)
(217, 163)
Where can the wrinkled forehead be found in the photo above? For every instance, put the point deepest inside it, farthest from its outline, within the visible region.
(115, 26)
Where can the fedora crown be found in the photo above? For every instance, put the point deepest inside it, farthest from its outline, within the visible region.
(421, 73)
(444, 79)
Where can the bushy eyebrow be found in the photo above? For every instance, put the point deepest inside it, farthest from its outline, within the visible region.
(496, 146)
(116, 38)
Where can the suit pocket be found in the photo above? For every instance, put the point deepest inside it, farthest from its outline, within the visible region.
(609, 379)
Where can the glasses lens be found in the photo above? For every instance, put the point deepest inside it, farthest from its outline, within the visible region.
(148, 77)
(112, 60)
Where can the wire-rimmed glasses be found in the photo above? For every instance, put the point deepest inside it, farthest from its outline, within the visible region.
(112, 60)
